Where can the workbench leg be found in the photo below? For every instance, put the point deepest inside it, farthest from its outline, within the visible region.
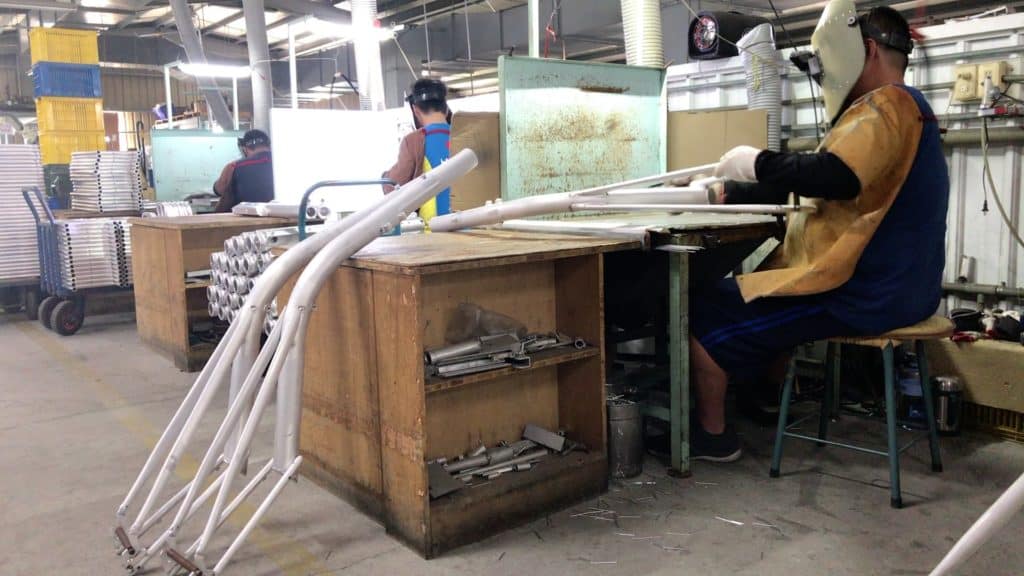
(679, 359)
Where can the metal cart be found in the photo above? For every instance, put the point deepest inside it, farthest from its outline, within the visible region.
(61, 309)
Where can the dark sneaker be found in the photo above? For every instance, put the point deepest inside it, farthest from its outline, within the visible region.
(724, 447)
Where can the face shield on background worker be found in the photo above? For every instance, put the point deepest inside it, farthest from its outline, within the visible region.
(838, 55)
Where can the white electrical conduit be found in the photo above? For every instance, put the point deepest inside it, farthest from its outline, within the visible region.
(558, 203)
(362, 227)
(992, 521)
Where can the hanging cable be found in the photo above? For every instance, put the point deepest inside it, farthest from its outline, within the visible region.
(992, 184)
(810, 80)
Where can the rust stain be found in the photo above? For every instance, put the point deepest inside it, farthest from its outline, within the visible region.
(603, 89)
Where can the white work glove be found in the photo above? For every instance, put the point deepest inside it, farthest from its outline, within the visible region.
(738, 164)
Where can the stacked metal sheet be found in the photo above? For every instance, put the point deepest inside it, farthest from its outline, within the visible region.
(106, 181)
(19, 256)
(94, 252)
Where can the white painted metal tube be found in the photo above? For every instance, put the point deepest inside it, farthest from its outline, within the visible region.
(241, 497)
(170, 435)
(263, 507)
(771, 209)
(993, 520)
(152, 520)
(550, 203)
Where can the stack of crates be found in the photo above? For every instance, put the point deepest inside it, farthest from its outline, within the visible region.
(69, 103)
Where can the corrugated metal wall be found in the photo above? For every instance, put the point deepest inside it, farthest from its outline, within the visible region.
(720, 85)
(134, 91)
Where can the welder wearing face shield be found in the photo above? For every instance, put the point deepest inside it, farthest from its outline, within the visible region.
(428, 146)
(870, 259)
(250, 179)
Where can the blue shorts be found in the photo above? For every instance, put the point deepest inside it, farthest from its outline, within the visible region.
(743, 338)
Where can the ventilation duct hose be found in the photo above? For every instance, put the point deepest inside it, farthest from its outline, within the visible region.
(368, 62)
(641, 26)
(764, 85)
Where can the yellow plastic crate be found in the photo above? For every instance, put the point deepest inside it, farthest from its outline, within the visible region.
(63, 45)
(69, 114)
(56, 147)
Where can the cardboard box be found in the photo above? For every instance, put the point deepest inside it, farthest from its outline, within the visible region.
(481, 132)
(989, 370)
(696, 138)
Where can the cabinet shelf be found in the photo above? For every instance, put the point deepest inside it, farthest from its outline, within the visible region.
(542, 359)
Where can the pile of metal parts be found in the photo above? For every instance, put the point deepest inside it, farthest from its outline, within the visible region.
(255, 375)
(106, 181)
(151, 209)
(493, 352)
(19, 168)
(94, 252)
(446, 477)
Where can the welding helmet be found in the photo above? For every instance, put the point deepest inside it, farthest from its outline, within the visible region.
(253, 139)
(837, 59)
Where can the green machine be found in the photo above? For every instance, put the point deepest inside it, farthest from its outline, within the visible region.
(573, 125)
(187, 162)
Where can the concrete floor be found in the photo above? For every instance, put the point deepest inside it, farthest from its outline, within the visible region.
(78, 414)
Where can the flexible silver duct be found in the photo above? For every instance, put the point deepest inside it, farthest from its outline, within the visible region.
(764, 85)
(194, 50)
(368, 63)
(641, 25)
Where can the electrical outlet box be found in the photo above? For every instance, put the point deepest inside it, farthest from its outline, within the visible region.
(965, 85)
(994, 70)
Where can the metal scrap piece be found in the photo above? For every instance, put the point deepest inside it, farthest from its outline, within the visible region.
(545, 438)
(440, 481)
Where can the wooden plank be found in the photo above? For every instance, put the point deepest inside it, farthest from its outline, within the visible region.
(205, 221)
(462, 419)
(397, 314)
(516, 498)
(153, 307)
(470, 250)
(525, 292)
(579, 300)
(340, 416)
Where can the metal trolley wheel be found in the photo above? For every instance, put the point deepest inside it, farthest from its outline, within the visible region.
(46, 309)
(66, 318)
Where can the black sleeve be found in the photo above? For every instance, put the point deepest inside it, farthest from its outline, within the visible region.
(819, 175)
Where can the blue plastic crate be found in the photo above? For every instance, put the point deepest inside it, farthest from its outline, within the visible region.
(64, 79)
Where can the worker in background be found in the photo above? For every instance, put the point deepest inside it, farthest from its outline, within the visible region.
(250, 179)
(428, 146)
(870, 259)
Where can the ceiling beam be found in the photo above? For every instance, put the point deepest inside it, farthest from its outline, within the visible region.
(320, 11)
(222, 22)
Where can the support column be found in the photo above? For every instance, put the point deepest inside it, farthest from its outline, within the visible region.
(259, 62)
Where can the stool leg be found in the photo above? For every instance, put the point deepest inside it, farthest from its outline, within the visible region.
(780, 432)
(929, 406)
(828, 400)
(895, 500)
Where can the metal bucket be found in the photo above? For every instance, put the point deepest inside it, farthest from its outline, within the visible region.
(625, 440)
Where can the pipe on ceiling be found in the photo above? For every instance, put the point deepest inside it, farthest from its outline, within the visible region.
(320, 11)
(194, 50)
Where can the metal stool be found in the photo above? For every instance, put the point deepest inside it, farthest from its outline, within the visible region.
(934, 328)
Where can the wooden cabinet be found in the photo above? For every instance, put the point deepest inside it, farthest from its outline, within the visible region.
(164, 250)
(371, 419)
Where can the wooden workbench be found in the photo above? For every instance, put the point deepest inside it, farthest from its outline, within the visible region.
(164, 250)
(371, 419)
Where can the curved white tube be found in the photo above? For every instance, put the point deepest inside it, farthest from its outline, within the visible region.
(551, 203)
